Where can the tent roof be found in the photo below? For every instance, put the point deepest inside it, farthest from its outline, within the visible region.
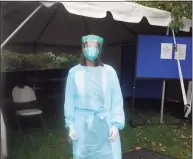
(61, 25)
(121, 11)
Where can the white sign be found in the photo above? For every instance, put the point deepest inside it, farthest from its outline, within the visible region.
(181, 52)
(166, 51)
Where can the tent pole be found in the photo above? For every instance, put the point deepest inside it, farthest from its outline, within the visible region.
(189, 93)
(163, 92)
(134, 90)
(3, 137)
(180, 72)
(20, 26)
(187, 105)
(162, 102)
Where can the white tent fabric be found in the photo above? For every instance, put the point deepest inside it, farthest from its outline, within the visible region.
(59, 26)
(187, 24)
(3, 137)
(54, 26)
(121, 11)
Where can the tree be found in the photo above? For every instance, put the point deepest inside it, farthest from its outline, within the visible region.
(178, 10)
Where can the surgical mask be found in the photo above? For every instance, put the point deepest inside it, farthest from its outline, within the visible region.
(91, 53)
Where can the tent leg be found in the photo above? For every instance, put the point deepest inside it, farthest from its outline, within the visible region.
(133, 103)
(132, 109)
(180, 73)
(3, 137)
(163, 91)
(20, 26)
(188, 107)
(186, 104)
(189, 93)
(162, 102)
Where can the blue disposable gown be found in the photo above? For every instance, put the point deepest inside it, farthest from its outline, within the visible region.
(93, 104)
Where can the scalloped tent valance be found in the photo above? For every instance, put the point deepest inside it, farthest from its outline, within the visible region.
(121, 11)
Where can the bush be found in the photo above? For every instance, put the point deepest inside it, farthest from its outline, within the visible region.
(13, 61)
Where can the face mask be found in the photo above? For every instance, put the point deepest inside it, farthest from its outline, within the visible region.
(91, 53)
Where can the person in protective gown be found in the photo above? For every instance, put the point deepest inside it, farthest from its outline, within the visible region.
(93, 105)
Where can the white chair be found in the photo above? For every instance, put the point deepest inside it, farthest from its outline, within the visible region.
(23, 96)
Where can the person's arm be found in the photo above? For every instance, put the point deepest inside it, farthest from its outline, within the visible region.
(69, 100)
(117, 115)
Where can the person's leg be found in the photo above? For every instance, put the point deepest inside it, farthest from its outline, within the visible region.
(103, 146)
(116, 148)
(84, 147)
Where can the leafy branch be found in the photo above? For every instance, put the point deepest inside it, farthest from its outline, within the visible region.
(178, 10)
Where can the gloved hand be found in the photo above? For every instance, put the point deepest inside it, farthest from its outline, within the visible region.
(72, 133)
(113, 133)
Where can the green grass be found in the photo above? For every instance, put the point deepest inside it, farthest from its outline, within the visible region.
(164, 138)
(40, 146)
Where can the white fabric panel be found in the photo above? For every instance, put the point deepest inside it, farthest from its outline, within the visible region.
(121, 11)
(133, 13)
(3, 138)
(187, 25)
(47, 3)
(84, 9)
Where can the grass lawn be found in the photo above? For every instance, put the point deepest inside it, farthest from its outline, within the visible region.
(164, 138)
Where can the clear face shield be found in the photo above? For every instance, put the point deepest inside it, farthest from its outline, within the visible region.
(92, 46)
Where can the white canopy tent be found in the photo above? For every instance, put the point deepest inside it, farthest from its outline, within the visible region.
(62, 24)
(59, 26)
(50, 26)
